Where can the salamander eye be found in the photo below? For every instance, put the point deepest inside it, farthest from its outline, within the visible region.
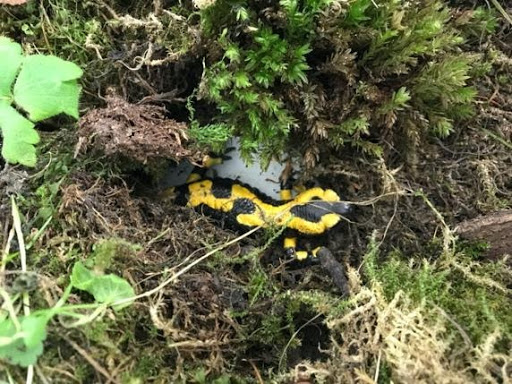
(315, 198)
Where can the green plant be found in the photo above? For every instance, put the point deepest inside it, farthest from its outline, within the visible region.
(461, 289)
(257, 61)
(476, 24)
(337, 74)
(211, 136)
(441, 93)
(42, 86)
(402, 34)
(22, 335)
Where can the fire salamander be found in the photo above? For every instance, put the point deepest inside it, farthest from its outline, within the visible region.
(311, 213)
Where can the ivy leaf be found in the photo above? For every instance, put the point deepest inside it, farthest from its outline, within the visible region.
(81, 277)
(34, 329)
(19, 137)
(112, 288)
(23, 347)
(12, 56)
(46, 86)
(105, 288)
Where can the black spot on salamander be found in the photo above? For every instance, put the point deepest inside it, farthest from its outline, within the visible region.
(241, 206)
(182, 195)
(221, 189)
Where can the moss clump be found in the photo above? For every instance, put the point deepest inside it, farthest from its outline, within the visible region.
(459, 286)
(337, 73)
(107, 251)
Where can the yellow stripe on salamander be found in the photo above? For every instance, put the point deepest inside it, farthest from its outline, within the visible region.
(266, 214)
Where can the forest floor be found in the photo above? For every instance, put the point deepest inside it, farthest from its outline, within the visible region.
(425, 304)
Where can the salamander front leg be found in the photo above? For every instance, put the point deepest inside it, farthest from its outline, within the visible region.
(307, 257)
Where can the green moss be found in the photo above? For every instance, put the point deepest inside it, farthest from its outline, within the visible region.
(473, 249)
(283, 68)
(107, 250)
(256, 59)
(477, 23)
(199, 376)
(148, 365)
(63, 28)
(477, 307)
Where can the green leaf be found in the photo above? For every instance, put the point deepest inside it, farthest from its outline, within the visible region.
(302, 51)
(357, 12)
(12, 56)
(296, 74)
(200, 376)
(81, 277)
(23, 347)
(213, 135)
(34, 328)
(441, 126)
(47, 86)
(112, 288)
(264, 78)
(242, 14)
(245, 96)
(222, 80)
(401, 97)
(105, 288)
(19, 137)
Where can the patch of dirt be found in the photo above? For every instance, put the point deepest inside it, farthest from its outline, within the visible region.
(13, 181)
(138, 132)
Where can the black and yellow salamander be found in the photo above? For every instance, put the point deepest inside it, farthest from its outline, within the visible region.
(310, 213)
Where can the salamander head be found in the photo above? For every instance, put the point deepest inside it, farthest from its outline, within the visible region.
(317, 210)
(323, 199)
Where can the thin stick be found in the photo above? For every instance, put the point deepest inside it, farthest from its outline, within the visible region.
(500, 9)
(499, 139)
(23, 258)
(6, 251)
(281, 359)
(377, 369)
(256, 372)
